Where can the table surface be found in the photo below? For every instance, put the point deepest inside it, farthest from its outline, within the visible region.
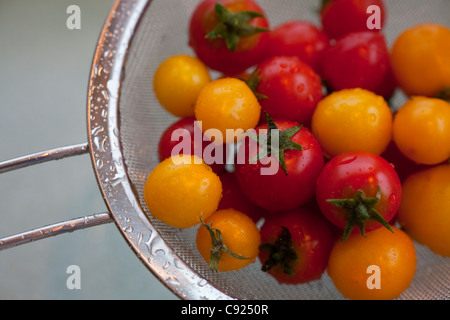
(45, 68)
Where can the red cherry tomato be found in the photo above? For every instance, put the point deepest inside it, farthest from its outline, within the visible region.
(291, 87)
(295, 246)
(402, 165)
(233, 198)
(358, 192)
(299, 38)
(185, 137)
(230, 52)
(284, 180)
(341, 17)
(388, 85)
(358, 60)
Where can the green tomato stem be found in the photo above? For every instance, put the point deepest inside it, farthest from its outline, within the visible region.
(218, 246)
(281, 253)
(233, 26)
(284, 143)
(359, 210)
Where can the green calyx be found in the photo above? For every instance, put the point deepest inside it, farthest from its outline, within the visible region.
(281, 253)
(444, 95)
(233, 26)
(324, 3)
(359, 209)
(267, 147)
(218, 246)
(253, 82)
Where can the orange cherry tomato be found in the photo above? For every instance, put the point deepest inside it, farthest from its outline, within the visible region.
(227, 104)
(352, 120)
(177, 83)
(378, 267)
(421, 130)
(239, 235)
(181, 190)
(425, 209)
(420, 59)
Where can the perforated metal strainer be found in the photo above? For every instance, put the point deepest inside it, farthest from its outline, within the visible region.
(125, 122)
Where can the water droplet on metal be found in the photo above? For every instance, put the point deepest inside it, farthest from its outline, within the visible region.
(113, 88)
(202, 283)
(99, 163)
(97, 130)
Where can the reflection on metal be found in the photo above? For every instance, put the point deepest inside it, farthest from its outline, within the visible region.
(54, 230)
(44, 156)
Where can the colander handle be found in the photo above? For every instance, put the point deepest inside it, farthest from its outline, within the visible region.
(44, 156)
(57, 228)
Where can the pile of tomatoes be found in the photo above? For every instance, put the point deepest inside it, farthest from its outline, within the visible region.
(349, 183)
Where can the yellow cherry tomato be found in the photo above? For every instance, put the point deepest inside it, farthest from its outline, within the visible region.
(425, 208)
(352, 120)
(420, 59)
(227, 104)
(181, 189)
(378, 267)
(177, 83)
(421, 130)
(239, 235)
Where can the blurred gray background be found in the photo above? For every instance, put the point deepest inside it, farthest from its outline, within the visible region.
(44, 71)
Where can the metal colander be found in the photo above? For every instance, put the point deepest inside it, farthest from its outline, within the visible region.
(125, 122)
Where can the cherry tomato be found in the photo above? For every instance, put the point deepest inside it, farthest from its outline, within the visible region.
(177, 83)
(233, 198)
(388, 85)
(420, 58)
(424, 213)
(378, 267)
(184, 136)
(299, 38)
(229, 35)
(182, 189)
(402, 165)
(358, 60)
(284, 178)
(295, 246)
(421, 130)
(227, 104)
(358, 192)
(228, 240)
(352, 120)
(292, 89)
(341, 17)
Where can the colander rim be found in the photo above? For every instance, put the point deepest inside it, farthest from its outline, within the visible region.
(107, 74)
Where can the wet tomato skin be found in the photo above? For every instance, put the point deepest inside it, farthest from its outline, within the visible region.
(177, 82)
(341, 17)
(402, 165)
(292, 89)
(299, 38)
(214, 52)
(421, 130)
(238, 233)
(392, 252)
(358, 60)
(233, 198)
(352, 120)
(186, 128)
(181, 190)
(425, 212)
(419, 58)
(348, 172)
(312, 239)
(277, 191)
